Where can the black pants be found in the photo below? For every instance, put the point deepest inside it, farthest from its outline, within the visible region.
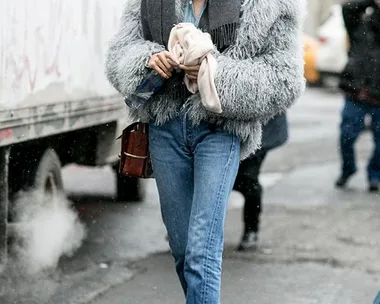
(247, 183)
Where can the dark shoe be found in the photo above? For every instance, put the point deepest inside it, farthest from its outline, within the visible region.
(373, 186)
(250, 242)
(342, 181)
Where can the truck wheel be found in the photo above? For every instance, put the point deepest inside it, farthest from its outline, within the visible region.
(40, 174)
(129, 189)
(47, 176)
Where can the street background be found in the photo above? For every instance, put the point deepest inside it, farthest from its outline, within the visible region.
(318, 244)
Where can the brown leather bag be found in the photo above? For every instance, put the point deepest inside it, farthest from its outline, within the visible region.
(134, 157)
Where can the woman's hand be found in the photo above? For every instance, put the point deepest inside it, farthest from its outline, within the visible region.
(163, 63)
(191, 71)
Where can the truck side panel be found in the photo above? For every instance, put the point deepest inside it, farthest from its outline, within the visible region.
(24, 124)
(52, 78)
(60, 44)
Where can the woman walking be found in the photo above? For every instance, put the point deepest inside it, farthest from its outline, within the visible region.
(195, 152)
(275, 134)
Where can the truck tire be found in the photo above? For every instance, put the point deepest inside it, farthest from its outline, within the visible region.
(129, 189)
(41, 179)
(47, 175)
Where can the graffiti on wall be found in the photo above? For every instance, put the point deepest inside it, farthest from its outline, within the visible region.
(44, 42)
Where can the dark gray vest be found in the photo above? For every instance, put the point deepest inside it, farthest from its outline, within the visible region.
(220, 19)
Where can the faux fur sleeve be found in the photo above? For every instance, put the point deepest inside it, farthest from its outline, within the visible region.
(128, 51)
(260, 82)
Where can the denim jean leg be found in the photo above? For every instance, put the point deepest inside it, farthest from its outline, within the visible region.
(352, 124)
(216, 161)
(374, 164)
(173, 169)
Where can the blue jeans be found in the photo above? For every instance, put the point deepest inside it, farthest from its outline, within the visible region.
(195, 168)
(377, 300)
(353, 116)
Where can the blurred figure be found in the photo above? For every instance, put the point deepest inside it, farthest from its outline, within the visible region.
(361, 83)
(275, 133)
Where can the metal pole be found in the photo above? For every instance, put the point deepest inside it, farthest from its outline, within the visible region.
(4, 162)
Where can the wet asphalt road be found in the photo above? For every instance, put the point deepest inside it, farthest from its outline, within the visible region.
(318, 245)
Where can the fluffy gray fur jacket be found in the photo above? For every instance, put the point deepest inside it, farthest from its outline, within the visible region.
(261, 75)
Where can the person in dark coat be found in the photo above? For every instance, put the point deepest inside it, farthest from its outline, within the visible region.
(275, 134)
(360, 81)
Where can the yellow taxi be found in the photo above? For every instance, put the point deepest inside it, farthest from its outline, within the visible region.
(311, 48)
(327, 54)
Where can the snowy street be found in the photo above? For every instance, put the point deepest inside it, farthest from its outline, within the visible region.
(318, 244)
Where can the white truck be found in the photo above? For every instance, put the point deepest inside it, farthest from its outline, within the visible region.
(56, 106)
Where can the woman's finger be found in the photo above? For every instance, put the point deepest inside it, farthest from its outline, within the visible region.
(174, 65)
(164, 61)
(159, 70)
(189, 67)
(163, 67)
(171, 57)
(193, 73)
(156, 60)
(192, 77)
(163, 64)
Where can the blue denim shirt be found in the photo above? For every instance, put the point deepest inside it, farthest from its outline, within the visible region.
(189, 13)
